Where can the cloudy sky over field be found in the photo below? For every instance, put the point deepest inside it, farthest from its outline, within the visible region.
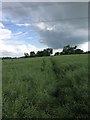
(26, 27)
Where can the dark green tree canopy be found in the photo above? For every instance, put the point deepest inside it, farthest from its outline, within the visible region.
(45, 52)
(56, 54)
(69, 50)
(26, 55)
(32, 54)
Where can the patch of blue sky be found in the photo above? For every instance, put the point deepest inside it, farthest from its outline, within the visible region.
(28, 34)
(32, 38)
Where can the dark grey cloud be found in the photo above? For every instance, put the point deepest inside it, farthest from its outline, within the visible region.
(58, 26)
(63, 34)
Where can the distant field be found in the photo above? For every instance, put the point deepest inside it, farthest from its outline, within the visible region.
(46, 87)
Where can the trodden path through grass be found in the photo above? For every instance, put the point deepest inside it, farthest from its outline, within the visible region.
(46, 87)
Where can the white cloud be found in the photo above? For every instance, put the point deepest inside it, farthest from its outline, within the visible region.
(18, 49)
(44, 26)
(4, 33)
(49, 28)
(1, 25)
(24, 24)
(18, 33)
(56, 50)
(13, 48)
(85, 46)
(41, 25)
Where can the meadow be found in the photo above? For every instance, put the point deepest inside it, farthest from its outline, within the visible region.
(45, 87)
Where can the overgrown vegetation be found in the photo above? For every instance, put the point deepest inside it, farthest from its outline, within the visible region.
(46, 87)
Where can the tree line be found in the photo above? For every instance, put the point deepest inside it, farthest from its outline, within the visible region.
(67, 50)
(45, 52)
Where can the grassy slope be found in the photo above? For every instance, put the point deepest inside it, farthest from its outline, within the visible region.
(45, 87)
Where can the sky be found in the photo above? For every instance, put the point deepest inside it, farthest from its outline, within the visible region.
(28, 26)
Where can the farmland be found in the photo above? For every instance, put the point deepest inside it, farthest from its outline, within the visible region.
(45, 87)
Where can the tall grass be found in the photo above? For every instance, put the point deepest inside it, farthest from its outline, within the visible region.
(46, 87)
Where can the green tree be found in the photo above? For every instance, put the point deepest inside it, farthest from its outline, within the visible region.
(26, 55)
(56, 54)
(45, 52)
(69, 50)
(32, 54)
(39, 54)
(50, 50)
(79, 51)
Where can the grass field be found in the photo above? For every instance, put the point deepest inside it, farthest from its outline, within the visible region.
(46, 87)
